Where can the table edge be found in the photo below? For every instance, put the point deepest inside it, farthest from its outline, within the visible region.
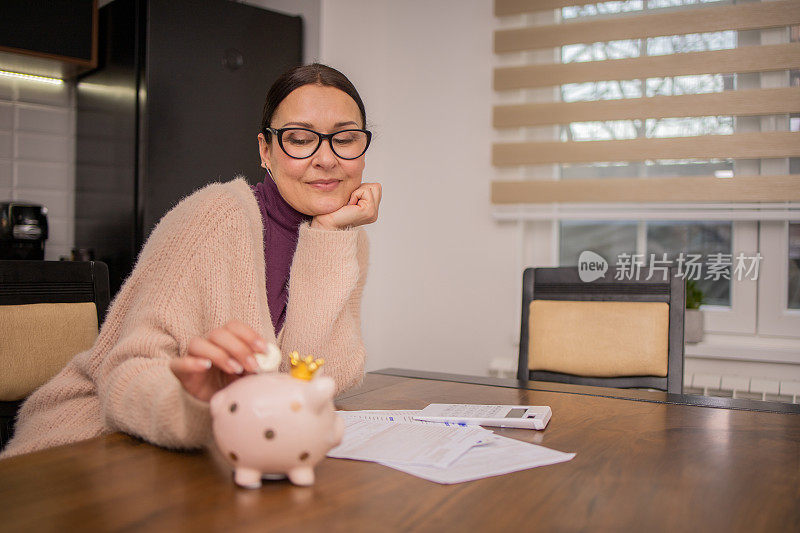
(603, 392)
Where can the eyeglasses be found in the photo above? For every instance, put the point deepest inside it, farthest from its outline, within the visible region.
(302, 143)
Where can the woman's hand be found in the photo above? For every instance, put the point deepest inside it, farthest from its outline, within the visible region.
(361, 209)
(214, 361)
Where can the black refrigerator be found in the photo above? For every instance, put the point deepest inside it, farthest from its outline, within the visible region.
(174, 104)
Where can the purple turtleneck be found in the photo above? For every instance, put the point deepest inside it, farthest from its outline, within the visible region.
(281, 228)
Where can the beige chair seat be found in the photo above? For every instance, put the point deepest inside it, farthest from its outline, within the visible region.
(601, 339)
(49, 312)
(603, 332)
(38, 340)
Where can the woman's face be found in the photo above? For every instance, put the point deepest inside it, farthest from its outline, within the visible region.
(322, 183)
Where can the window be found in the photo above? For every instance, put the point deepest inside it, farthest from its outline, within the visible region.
(631, 108)
(700, 239)
(609, 239)
(793, 281)
(658, 239)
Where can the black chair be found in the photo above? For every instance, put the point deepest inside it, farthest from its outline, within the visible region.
(49, 311)
(607, 332)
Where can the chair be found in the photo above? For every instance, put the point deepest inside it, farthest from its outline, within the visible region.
(608, 333)
(49, 311)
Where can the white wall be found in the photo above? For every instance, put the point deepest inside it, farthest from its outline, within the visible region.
(37, 154)
(441, 293)
(442, 289)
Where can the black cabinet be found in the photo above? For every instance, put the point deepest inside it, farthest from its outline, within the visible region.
(56, 38)
(175, 103)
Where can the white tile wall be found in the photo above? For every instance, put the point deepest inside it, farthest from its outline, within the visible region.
(6, 144)
(58, 96)
(6, 92)
(57, 202)
(37, 154)
(5, 175)
(41, 174)
(43, 119)
(6, 116)
(43, 147)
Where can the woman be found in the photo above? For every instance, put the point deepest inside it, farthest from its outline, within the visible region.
(209, 289)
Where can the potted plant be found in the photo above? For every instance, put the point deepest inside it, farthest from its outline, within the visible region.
(693, 319)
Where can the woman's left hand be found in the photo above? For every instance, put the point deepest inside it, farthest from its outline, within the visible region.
(360, 210)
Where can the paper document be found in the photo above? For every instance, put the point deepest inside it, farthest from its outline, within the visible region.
(500, 456)
(434, 451)
(411, 416)
(382, 416)
(406, 443)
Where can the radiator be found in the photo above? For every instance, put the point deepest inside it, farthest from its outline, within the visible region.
(751, 388)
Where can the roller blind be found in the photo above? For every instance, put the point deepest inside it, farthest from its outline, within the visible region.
(651, 138)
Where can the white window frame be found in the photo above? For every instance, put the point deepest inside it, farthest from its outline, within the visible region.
(741, 316)
(738, 318)
(758, 326)
(774, 315)
(759, 307)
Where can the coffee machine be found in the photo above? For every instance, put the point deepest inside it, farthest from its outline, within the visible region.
(23, 230)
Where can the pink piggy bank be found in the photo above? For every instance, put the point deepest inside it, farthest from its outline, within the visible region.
(274, 425)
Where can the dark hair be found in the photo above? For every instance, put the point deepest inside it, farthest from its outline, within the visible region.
(313, 74)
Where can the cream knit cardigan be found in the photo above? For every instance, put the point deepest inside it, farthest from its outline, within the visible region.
(202, 266)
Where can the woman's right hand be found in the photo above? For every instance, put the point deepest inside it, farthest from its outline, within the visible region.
(218, 358)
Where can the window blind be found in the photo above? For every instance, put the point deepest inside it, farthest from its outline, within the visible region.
(740, 101)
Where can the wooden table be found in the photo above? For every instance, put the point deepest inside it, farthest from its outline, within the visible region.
(645, 461)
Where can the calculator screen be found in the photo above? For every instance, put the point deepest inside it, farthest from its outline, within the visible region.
(516, 413)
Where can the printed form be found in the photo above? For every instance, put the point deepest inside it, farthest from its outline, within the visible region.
(368, 437)
(383, 416)
(501, 455)
(406, 443)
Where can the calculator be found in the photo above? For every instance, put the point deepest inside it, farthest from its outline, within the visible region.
(504, 416)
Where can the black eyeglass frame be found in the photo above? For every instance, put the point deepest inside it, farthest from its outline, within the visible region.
(322, 137)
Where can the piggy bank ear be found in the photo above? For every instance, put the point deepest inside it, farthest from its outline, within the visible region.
(320, 392)
(217, 402)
